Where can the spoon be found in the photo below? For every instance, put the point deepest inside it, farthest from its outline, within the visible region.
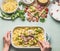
(33, 37)
(57, 0)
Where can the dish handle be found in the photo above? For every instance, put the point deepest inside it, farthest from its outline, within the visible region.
(48, 38)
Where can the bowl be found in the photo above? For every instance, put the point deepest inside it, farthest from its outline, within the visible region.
(28, 2)
(43, 2)
(17, 33)
(9, 7)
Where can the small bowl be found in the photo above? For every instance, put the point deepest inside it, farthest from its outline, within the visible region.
(10, 11)
(25, 1)
(43, 3)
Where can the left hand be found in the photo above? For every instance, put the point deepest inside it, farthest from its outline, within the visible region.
(6, 40)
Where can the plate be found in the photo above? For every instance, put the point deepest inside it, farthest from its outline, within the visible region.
(55, 11)
(27, 46)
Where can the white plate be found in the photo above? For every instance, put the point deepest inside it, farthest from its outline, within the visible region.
(26, 47)
(54, 11)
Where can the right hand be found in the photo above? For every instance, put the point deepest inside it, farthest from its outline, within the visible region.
(44, 46)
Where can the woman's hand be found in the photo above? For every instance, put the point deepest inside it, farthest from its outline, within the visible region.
(44, 46)
(6, 40)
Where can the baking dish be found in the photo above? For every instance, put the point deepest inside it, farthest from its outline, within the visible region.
(27, 27)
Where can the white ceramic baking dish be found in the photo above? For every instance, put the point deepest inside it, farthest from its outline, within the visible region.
(27, 26)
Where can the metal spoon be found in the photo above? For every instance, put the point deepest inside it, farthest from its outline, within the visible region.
(33, 37)
(57, 0)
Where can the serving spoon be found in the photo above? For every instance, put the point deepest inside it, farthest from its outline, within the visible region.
(33, 37)
(36, 39)
(58, 0)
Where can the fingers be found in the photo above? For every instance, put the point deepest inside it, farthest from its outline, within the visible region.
(47, 44)
(44, 44)
(40, 45)
(4, 38)
(7, 36)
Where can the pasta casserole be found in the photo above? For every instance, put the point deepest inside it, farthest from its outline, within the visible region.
(23, 36)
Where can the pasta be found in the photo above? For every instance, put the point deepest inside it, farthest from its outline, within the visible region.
(20, 36)
(9, 5)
